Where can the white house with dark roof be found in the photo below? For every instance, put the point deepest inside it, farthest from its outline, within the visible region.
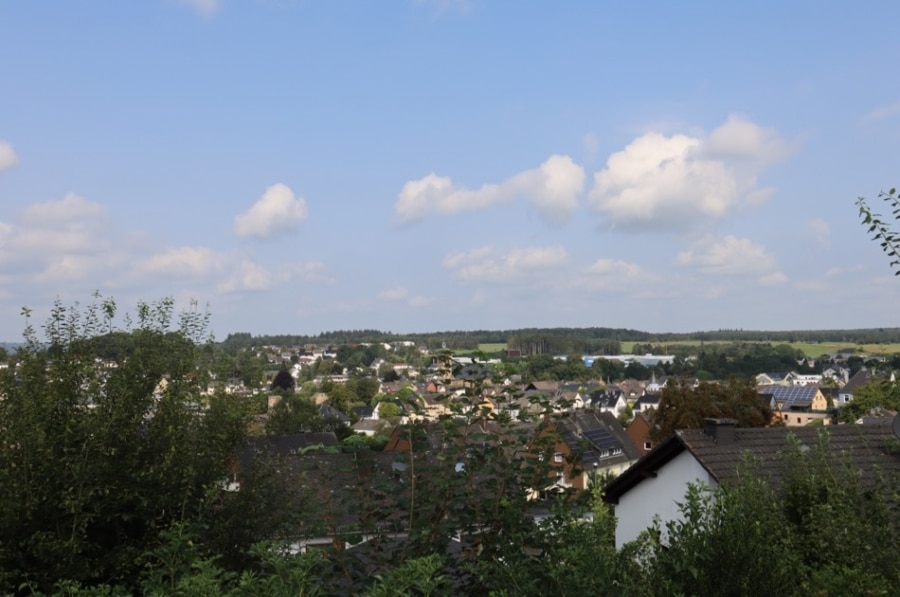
(654, 485)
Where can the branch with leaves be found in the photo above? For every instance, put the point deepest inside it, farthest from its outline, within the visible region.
(881, 230)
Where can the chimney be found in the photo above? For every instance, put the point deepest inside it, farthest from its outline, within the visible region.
(721, 430)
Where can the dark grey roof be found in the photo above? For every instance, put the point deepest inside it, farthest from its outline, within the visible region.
(606, 399)
(791, 396)
(594, 433)
(363, 412)
(858, 379)
(864, 447)
(647, 400)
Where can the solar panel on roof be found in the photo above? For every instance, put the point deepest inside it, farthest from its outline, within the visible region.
(792, 395)
(602, 438)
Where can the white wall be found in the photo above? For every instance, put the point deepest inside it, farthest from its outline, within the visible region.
(657, 496)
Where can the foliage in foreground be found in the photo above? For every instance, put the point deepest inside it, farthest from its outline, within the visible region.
(109, 486)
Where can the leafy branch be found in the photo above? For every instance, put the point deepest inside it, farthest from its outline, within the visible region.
(880, 230)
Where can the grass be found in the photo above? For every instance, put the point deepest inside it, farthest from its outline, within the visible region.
(810, 349)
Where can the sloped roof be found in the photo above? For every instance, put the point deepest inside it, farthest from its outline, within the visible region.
(854, 383)
(592, 433)
(647, 399)
(791, 396)
(864, 447)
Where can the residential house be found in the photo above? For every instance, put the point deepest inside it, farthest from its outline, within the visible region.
(798, 405)
(609, 401)
(639, 432)
(845, 395)
(631, 388)
(770, 379)
(646, 403)
(655, 485)
(799, 379)
(589, 445)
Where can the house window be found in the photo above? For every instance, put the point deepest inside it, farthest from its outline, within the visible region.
(648, 445)
(558, 457)
(798, 420)
(616, 451)
(604, 453)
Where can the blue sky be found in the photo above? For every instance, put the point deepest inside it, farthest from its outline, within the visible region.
(424, 165)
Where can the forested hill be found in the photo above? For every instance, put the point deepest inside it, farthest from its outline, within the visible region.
(562, 340)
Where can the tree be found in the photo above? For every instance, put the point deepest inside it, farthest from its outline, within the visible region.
(683, 406)
(283, 381)
(883, 232)
(389, 412)
(98, 458)
(871, 397)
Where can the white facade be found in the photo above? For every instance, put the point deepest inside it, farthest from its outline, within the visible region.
(658, 496)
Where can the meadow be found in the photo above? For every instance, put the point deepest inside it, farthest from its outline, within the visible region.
(810, 349)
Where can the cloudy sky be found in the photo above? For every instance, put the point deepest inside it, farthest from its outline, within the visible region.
(424, 165)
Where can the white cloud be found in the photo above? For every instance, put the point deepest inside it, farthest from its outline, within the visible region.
(68, 211)
(186, 261)
(205, 8)
(680, 182)
(731, 256)
(277, 212)
(46, 230)
(740, 139)
(818, 231)
(248, 275)
(615, 268)
(883, 112)
(552, 188)
(8, 157)
(393, 294)
(487, 265)
(228, 271)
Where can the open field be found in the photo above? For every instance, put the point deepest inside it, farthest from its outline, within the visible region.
(810, 349)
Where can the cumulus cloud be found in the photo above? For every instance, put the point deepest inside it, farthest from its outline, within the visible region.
(8, 157)
(615, 268)
(69, 210)
(552, 188)
(228, 271)
(740, 139)
(205, 8)
(680, 181)
(485, 264)
(70, 225)
(731, 256)
(186, 261)
(277, 212)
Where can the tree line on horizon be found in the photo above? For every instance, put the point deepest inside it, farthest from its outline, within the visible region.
(586, 340)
